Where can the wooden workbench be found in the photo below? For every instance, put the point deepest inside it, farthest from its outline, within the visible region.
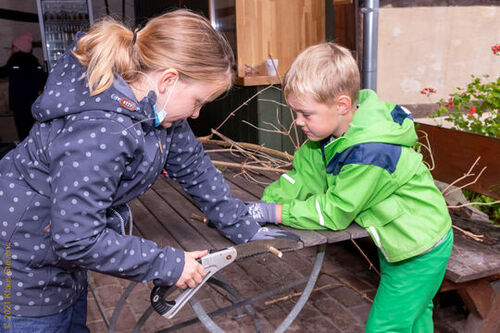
(164, 214)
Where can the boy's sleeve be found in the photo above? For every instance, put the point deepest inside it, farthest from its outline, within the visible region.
(308, 177)
(357, 187)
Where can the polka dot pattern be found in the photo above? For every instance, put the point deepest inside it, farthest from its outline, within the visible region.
(63, 192)
(192, 168)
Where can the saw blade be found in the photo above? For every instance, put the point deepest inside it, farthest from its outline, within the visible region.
(251, 249)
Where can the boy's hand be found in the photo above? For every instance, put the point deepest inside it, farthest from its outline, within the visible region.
(262, 212)
(193, 271)
(266, 233)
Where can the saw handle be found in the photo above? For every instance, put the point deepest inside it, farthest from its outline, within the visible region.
(212, 263)
(167, 308)
(158, 301)
(160, 304)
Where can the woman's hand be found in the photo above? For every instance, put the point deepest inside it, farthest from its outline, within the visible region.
(193, 272)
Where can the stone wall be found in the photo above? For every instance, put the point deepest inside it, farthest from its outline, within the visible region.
(434, 46)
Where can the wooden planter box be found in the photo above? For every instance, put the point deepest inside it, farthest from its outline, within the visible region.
(454, 153)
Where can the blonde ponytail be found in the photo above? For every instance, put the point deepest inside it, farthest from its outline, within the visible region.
(178, 39)
(104, 50)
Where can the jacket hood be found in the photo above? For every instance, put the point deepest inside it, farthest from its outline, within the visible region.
(376, 121)
(67, 93)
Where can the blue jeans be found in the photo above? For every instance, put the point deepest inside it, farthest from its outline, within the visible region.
(71, 320)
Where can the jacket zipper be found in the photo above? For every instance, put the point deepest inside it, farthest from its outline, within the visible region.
(122, 221)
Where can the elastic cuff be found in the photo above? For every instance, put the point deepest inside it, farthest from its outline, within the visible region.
(172, 268)
(272, 213)
(285, 214)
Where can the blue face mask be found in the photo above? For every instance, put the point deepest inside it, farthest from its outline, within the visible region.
(159, 116)
(162, 114)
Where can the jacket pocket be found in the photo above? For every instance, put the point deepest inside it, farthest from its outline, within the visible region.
(23, 224)
(14, 203)
(382, 213)
(43, 253)
(376, 217)
(117, 217)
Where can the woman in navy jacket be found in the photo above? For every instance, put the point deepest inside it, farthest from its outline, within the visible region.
(112, 116)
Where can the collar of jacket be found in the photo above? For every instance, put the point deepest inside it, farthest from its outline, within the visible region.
(125, 97)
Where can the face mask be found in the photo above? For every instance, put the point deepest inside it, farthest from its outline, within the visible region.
(160, 115)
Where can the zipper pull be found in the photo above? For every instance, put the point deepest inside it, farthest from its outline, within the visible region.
(159, 143)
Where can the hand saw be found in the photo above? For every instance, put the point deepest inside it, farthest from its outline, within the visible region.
(214, 262)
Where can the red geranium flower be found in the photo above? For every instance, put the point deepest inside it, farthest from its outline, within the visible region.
(428, 91)
(496, 49)
(449, 105)
(472, 110)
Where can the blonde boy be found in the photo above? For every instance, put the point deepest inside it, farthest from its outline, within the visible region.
(359, 166)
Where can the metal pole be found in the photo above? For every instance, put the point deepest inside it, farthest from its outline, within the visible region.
(313, 277)
(370, 44)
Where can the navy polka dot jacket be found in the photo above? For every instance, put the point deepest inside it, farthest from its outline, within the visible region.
(64, 188)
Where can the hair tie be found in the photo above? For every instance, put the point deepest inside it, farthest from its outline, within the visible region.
(135, 38)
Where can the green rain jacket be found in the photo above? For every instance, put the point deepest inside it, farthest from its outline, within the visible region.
(370, 175)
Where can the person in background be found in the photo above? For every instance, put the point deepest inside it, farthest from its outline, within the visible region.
(359, 165)
(26, 80)
(111, 118)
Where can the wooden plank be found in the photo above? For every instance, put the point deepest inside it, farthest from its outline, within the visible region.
(490, 324)
(186, 208)
(471, 260)
(308, 237)
(176, 186)
(353, 231)
(345, 24)
(356, 231)
(482, 301)
(335, 236)
(257, 80)
(342, 2)
(240, 193)
(254, 189)
(478, 297)
(491, 232)
(187, 236)
(149, 227)
(447, 285)
(454, 153)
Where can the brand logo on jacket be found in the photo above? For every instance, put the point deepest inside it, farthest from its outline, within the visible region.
(125, 102)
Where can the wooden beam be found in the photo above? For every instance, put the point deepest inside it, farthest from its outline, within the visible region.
(478, 297)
